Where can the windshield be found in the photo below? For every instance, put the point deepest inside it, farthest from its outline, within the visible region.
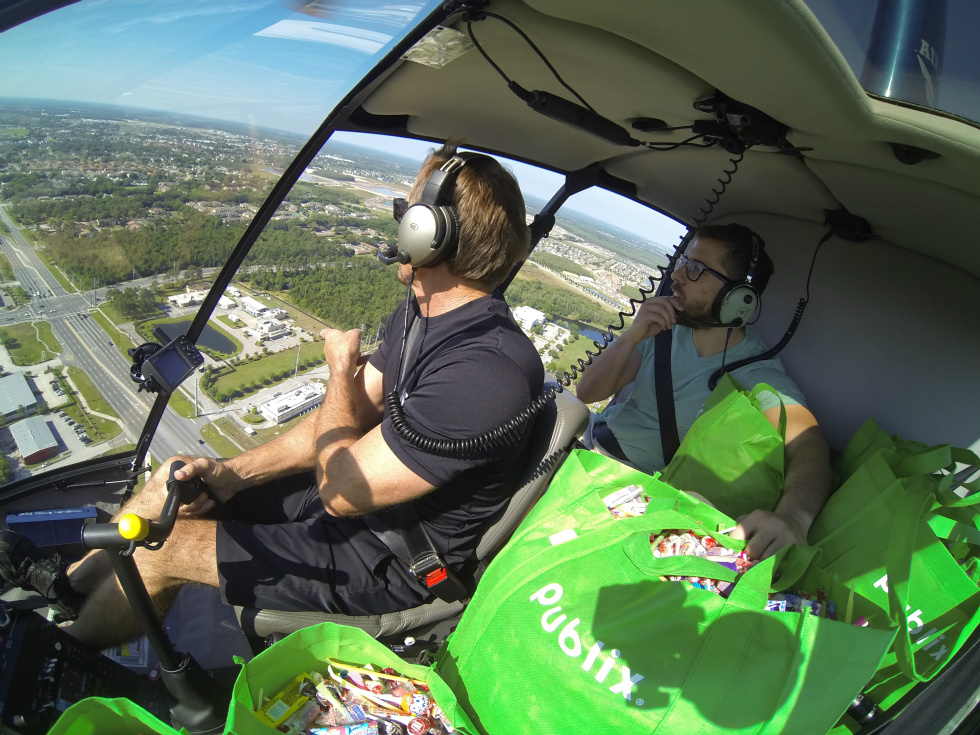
(923, 52)
(137, 141)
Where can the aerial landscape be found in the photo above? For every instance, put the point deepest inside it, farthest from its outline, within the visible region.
(113, 225)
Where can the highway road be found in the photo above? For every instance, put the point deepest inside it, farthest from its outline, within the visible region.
(86, 346)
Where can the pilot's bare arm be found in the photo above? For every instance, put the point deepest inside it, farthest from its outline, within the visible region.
(293, 452)
(356, 472)
(808, 480)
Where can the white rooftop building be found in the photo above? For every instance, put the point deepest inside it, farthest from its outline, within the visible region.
(253, 307)
(269, 329)
(527, 317)
(292, 404)
(191, 298)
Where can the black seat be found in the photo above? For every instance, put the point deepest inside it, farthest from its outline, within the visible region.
(555, 429)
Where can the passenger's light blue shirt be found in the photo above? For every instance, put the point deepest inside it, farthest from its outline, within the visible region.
(636, 422)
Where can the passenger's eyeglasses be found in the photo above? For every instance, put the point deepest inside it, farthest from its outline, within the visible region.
(398, 208)
(694, 268)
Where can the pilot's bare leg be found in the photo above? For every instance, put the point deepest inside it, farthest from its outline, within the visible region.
(188, 556)
(94, 568)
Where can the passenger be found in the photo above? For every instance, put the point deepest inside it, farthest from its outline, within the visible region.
(292, 534)
(630, 430)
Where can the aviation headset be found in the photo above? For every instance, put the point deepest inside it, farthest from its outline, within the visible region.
(429, 230)
(738, 301)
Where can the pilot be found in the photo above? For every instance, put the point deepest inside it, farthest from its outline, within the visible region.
(629, 430)
(292, 531)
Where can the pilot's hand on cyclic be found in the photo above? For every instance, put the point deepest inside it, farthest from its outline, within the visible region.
(767, 532)
(222, 483)
(655, 315)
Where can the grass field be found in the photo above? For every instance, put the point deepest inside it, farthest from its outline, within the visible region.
(120, 340)
(56, 272)
(232, 429)
(220, 443)
(279, 300)
(14, 132)
(97, 428)
(114, 316)
(6, 270)
(254, 372)
(264, 435)
(181, 404)
(90, 393)
(572, 352)
(47, 337)
(25, 347)
(530, 271)
(228, 321)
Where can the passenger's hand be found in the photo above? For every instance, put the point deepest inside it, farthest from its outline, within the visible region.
(655, 315)
(341, 349)
(767, 532)
(221, 481)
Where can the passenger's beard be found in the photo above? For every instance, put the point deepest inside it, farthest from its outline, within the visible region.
(699, 311)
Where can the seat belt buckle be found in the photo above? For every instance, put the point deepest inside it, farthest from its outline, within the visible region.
(445, 585)
(439, 579)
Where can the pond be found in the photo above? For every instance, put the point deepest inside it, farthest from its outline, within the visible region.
(210, 338)
(385, 192)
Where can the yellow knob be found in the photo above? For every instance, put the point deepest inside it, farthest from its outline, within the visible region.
(133, 528)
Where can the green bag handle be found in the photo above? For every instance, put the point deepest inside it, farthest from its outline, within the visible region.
(792, 562)
(917, 459)
(752, 590)
(946, 496)
(909, 509)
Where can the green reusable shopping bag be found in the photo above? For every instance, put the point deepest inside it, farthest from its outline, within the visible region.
(584, 637)
(888, 531)
(732, 455)
(573, 505)
(99, 716)
(306, 650)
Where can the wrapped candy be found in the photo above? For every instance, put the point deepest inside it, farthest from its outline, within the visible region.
(415, 704)
(693, 543)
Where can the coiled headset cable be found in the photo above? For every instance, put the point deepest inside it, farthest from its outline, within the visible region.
(499, 440)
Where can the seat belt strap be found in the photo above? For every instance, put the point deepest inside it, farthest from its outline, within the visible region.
(400, 528)
(669, 440)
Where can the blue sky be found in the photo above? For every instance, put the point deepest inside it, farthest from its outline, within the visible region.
(255, 62)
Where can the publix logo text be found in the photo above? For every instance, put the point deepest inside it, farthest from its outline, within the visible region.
(571, 643)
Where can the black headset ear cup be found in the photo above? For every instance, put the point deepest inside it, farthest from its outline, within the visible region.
(736, 304)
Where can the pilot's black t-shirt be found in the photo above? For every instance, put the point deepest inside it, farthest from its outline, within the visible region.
(468, 371)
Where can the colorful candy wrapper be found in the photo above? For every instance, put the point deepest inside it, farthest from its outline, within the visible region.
(365, 728)
(301, 719)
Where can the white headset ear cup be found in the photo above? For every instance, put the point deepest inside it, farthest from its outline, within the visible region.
(427, 234)
(736, 303)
